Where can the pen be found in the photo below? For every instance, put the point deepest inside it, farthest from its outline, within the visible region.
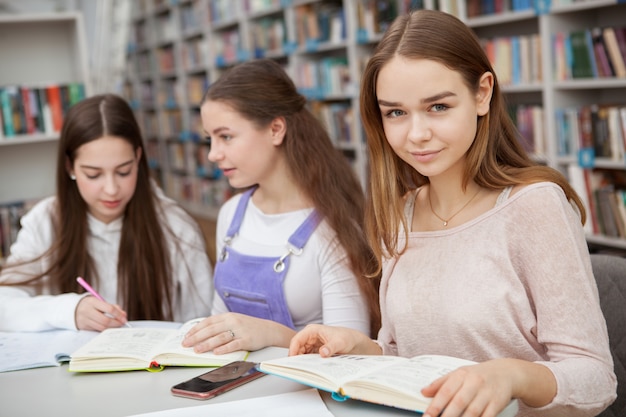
(93, 292)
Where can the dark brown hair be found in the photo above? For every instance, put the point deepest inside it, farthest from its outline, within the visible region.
(495, 159)
(144, 269)
(261, 91)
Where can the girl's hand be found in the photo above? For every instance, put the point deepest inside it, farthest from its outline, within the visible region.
(93, 314)
(229, 332)
(487, 388)
(332, 340)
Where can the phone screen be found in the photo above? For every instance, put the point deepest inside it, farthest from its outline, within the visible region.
(218, 381)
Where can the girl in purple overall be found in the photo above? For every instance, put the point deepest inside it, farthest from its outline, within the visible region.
(291, 249)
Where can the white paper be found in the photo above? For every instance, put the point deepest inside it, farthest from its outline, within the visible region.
(24, 350)
(305, 403)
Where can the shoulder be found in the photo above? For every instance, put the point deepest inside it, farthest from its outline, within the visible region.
(41, 212)
(538, 199)
(227, 210)
(538, 193)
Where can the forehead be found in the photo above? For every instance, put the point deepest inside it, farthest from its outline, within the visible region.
(424, 77)
(107, 149)
(218, 112)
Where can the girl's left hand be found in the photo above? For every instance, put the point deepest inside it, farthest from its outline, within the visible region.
(481, 390)
(228, 332)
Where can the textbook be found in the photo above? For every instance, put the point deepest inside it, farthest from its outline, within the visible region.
(381, 379)
(149, 348)
(26, 350)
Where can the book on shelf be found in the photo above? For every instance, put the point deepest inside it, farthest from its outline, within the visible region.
(387, 380)
(583, 58)
(613, 51)
(148, 348)
(28, 110)
(604, 65)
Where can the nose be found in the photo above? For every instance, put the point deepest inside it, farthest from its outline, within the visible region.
(419, 129)
(215, 152)
(110, 185)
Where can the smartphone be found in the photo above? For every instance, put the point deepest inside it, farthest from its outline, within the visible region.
(217, 381)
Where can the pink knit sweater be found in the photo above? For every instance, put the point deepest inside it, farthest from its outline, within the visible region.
(515, 282)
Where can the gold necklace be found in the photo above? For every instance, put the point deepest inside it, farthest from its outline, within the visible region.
(445, 222)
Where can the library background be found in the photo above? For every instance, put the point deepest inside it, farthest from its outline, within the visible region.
(560, 63)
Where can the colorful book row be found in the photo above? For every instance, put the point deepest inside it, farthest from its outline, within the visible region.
(589, 132)
(590, 53)
(603, 192)
(36, 110)
(516, 59)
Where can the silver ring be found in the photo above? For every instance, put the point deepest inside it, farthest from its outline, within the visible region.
(232, 334)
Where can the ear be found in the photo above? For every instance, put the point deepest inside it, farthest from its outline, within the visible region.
(278, 128)
(485, 91)
(138, 153)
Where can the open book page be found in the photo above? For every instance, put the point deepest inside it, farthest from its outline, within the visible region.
(172, 352)
(410, 376)
(22, 350)
(328, 373)
(139, 343)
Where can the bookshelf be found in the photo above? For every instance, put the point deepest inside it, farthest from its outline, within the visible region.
(40, 51)
(324, 44)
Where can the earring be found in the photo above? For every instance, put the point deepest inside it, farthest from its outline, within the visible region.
(73, 177)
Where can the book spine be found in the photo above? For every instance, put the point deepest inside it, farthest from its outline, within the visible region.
(7, 112)
(56, 107)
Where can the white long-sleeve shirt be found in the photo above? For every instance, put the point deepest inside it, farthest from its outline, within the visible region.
(33, 307)
(515, 282)
(319, 286)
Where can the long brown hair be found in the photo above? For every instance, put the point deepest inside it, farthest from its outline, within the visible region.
(496, 158)
(261, 91)
(144, 268)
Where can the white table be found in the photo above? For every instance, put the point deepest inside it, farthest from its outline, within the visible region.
(55, 391)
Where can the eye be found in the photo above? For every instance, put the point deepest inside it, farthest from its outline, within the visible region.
(125, 174)
(225, 137)
(394, 113)
(439, 107)
(93, 176)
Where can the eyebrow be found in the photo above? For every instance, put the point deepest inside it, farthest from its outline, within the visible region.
(430, 99)
(218, 130)
(117, 167)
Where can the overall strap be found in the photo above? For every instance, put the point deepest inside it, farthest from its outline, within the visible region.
(306, 229)
(235, 224)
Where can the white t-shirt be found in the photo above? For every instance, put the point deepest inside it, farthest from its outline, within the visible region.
(35, 308)
(319, 286)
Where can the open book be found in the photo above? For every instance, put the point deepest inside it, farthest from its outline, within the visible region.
(387, 380)
(127, 349)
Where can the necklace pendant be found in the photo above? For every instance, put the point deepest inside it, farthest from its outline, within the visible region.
(445, 224)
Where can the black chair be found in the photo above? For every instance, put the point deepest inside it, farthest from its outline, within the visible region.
(610, 274)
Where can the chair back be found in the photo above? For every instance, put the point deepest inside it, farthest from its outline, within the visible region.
(610, 274)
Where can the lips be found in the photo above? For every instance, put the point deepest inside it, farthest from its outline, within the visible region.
(425, 156)
(112, 204)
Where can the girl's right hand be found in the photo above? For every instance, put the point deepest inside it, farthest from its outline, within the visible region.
(93, 314)
(332, 340)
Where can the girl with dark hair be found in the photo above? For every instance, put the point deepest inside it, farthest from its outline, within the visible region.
(110, 224)
(291, 249)
(482, 251)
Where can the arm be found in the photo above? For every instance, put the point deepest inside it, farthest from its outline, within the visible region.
(31, 307)
(570, 323)
(342, 302)
(19, 311)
